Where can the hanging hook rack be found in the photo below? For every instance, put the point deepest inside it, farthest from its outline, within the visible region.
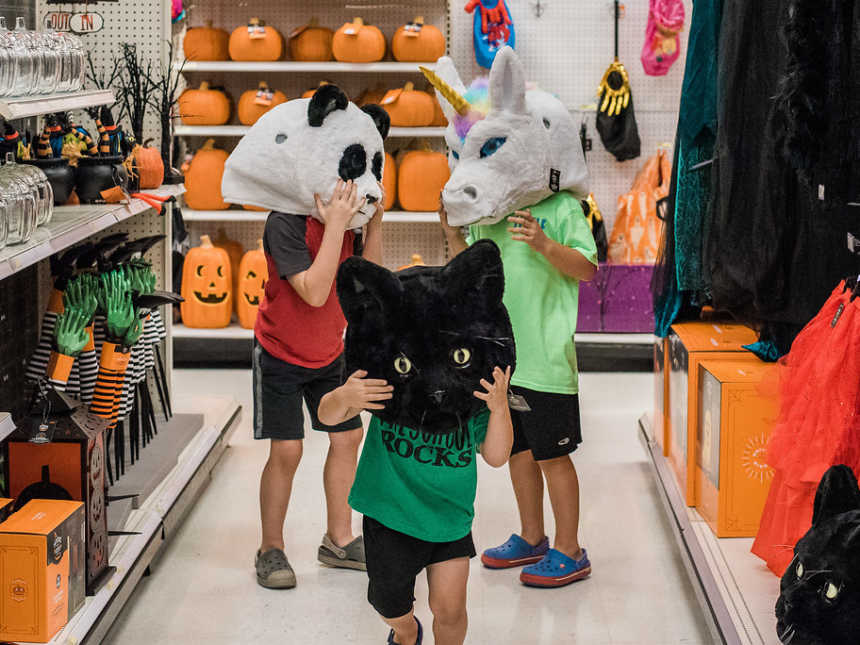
(539, 8)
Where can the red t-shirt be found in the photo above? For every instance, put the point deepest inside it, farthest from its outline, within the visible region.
(287, 327)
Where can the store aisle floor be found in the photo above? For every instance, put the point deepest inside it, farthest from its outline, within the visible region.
(203, 590)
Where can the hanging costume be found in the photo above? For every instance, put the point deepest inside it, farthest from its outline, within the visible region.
(818, 424)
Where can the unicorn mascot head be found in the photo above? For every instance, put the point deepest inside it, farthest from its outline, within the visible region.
(510, 147)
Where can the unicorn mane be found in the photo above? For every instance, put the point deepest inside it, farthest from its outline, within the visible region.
(478, 96)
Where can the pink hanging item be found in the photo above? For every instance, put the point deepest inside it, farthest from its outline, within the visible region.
(662, 40)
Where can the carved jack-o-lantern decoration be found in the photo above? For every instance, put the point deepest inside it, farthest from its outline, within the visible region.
(253, 274)
(207, 285)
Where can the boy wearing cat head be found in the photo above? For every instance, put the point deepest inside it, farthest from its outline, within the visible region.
(428, 386)
(317, 165)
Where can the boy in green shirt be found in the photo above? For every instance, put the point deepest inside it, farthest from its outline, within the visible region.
(546, 250)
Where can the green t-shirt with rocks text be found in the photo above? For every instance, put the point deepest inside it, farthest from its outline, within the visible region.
(543, 304)
(419, 483)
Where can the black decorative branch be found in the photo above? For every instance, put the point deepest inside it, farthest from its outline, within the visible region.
(136, 88)
(167, 84)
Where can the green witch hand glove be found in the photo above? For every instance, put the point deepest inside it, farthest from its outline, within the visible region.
(70, 332)
(134, 332)
(117, 305)
(80, 295)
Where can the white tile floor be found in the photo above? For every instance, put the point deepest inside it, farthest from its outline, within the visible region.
(203, 590)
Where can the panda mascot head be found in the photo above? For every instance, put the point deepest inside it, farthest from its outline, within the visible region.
(301, 148)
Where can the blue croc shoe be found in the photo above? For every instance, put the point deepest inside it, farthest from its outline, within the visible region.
(418, 640)
(556, 570)
(516, 552)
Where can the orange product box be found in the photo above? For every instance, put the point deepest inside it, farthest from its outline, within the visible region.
(5, 508)
(661, 393)
(41, 569)
(688, 345)
(735, 420)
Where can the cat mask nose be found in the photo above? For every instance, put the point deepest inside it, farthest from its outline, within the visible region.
(438, 396)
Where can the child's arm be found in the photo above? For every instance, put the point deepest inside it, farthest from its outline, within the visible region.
(568, 261)
(454, 236)
(357, 394)
(314, 284)
(496, 448)
(373, 233)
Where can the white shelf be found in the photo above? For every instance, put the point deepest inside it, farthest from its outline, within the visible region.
(600, 338)
(298, 66)
(234, 331)
(70, 225)
(241, 130)
(24, 106)
(7, 427)
(394, 217)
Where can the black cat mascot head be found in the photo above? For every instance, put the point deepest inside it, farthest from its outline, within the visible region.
(431, 332)
(819, 603)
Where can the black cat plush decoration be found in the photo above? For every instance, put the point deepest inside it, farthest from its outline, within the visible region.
(431, 332)
(819, 602)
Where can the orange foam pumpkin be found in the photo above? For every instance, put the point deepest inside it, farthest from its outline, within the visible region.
(204, 106)
(256, 42)
(309, 93)
(408, 107)
(416, 261)
(206, 286)
(439, 119)
(389, 181)
(235, 251)
(253, 273)
(311, 42)
(255, 103)
(357, 42)
(371, 95)
(203, 179)
(421, 175)
(416, 42)
(206, 43)
(148, 164)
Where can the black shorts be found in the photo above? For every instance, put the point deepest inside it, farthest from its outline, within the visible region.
(280, 388)
(395, 559)
(552, 427)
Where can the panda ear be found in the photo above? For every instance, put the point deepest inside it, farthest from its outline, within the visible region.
(380, 118)
(325, 100)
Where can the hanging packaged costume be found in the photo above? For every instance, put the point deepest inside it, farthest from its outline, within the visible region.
(662, 36)
(637, 229)
(818, 424)
(492, 29)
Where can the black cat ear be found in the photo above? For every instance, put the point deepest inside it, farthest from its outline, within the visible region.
(363, 286)
(325, 100)
(380, 118)
(837, 493)
(476, 276)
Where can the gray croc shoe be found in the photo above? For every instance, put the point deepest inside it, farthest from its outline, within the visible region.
(349, 557)
(274, 570)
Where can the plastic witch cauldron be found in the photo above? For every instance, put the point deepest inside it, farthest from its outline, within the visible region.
(94, 175)
(60, 175)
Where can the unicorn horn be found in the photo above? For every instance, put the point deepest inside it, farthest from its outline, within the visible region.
(457, 102)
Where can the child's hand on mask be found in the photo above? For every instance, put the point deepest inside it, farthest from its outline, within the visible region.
(527, 229)
(363, 393)
(342, 206)
(496, 394)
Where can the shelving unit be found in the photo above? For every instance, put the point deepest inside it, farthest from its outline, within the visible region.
(231, 332)
(736, 591)
(231, 215)
(242, 130)
(26, 106)
(7, 426)
(323, 67)
(69, 225)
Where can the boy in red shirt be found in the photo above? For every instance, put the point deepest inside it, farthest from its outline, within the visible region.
(298, 357)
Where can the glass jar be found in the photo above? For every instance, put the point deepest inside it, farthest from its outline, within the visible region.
(8, 68)
(49, 48)
(21, 213)
(28, 59)
(73, 62)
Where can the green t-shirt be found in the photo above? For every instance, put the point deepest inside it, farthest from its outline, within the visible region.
(418, 483)
(543, 303)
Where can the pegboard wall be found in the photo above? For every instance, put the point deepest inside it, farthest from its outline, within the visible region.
(566, 50)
